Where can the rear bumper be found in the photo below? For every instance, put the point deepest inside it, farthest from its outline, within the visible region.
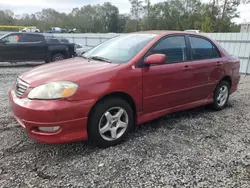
(70, 116)
(235, 83)
(233, 89)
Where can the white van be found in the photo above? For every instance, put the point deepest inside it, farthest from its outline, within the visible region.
(30, 30)
(192, 30)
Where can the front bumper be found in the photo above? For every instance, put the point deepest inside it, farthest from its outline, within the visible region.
(71, 116)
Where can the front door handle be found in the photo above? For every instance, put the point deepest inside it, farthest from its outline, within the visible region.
(187, 68)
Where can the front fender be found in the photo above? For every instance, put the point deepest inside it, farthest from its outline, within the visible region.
(96, 87)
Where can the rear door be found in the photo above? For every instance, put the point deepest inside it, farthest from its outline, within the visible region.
(206, 64)
(168, 85)
(32, 47)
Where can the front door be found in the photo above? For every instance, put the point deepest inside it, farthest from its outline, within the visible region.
(168, 85)
(9, 48)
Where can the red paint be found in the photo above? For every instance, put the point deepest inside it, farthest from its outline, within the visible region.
(155, 59)
(156, 90)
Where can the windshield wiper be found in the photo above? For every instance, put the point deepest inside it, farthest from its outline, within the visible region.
(98, 58)
(84, 57)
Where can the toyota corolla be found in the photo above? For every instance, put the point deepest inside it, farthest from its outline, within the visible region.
(123, 82)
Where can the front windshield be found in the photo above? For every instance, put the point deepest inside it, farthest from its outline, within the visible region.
(2, 37)
(120, 49)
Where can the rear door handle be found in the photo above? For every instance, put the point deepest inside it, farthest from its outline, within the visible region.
(187, 68)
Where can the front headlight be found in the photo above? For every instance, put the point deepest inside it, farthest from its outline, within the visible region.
(54, 90)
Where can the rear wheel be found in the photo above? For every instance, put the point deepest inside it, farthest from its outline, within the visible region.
(46, 60)
(221, 95)
(58, 57)
(110, 122)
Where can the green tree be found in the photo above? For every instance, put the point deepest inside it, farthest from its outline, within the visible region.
(216, 16)
(206, 25)
(6, 17)
(110, 17)
(136, 10)
(146, 20)
(234, 28)
(123, 19)
(131, 26)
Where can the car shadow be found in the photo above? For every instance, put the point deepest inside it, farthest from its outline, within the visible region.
(19, 65)
(174, 117)
(178, 116)
(60, 152)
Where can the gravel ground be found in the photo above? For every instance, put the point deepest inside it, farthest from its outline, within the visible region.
(195, 148)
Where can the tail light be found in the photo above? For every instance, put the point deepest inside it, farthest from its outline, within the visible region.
(74, 53)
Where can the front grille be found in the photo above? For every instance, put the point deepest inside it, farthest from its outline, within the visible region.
(21, 87)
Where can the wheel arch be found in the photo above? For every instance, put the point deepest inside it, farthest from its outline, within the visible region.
(118, 94)
(54, 49)
(228, 79)
(58, 52)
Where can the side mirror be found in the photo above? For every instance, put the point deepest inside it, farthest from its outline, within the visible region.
(155, 59)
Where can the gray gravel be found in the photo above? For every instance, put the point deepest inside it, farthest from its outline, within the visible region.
(195, 148)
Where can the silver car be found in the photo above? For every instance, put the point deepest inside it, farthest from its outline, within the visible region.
(80, 49)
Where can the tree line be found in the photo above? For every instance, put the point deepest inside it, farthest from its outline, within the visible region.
(214, 16)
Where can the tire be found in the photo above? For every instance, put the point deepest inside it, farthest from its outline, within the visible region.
(46, 60)
(58, 57)
(219, 104)
(108, 109)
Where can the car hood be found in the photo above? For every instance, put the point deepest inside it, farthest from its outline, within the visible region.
(84, 48)
(79, 51)
(69, 70)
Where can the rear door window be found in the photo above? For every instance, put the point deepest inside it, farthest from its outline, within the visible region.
(33, 38)
(202, 49)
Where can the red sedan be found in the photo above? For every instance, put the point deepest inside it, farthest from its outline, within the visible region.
(125, 81)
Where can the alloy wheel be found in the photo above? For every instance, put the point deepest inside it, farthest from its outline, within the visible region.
(113, 123)
(223, 95)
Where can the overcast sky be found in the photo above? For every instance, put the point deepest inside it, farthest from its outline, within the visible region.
(32, 6)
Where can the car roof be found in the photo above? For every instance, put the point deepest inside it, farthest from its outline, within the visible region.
(18, 33)
(166, 32)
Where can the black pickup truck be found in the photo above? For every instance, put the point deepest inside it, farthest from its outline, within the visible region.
(19, 47)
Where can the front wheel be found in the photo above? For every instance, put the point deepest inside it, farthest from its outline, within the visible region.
(221, 95)
(110, 122)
